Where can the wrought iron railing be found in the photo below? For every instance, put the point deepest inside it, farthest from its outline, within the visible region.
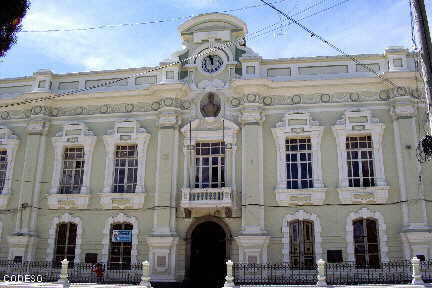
(77, 272)
(426, 270)
(281, 274)
(349, 273)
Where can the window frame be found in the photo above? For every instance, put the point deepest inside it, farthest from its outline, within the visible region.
(298, 163)
(133, 169)
(65, 253)
(200, 168)
(301, 243)
(75, 160)
(367, 254)
(9, 143)
(123, 265)
(127, 132)
(360, 161)
(72, 135)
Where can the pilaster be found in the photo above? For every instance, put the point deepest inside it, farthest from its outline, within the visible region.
(416, 232)
(251, 119)
(162, 252)
(22, 243)
(166, 176)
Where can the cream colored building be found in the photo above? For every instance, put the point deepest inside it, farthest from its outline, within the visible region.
(225, 156)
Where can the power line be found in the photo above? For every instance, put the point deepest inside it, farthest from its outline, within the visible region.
(173, 19)
(227, 44)
(331, 45)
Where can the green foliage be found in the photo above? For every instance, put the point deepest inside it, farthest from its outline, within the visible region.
(11, 14)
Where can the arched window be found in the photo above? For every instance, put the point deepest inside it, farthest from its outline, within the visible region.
(366, 242)
(66, 236)
(302, 252)
(120, 246)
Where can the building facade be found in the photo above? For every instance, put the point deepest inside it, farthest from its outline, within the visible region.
(221, 156)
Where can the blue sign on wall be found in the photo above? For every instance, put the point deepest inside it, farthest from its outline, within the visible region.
(122, 236)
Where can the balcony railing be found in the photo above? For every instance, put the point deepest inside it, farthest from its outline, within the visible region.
(206, 197)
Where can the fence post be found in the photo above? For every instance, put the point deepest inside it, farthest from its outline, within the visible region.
(64, 273)
(229, 278)
(416, 273)
(145, 279)
(321, 273)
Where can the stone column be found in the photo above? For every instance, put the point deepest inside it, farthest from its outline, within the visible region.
(416, 232)
(163, 241)
(23, 241)
(253, 241)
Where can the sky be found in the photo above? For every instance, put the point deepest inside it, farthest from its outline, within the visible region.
(356, 26)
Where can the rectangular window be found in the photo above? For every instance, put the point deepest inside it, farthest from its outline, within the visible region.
(334, 256)
(366, 245)
(299, 163)
(250, 70)
(73, 170)
(398, 62)
(65, 242)
(302, 243)
(360, 161)
(210, 165)
(170, 75)
(125, 169)
(120, 252)
(3, 168)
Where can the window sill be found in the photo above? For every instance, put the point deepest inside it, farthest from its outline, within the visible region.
(68, 201)
(295, 197)
(122, 200)
(364, 195)
(206, 197)
(4, 198)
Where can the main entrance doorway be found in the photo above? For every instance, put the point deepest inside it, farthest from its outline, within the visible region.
(208, 254)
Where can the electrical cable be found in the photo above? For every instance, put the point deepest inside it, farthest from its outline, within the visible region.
(173, 19)
(184, 61)
(331, 45)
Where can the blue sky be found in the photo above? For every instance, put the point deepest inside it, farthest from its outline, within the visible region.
(358, 26)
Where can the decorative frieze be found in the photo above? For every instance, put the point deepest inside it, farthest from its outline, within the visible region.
(363, 195)
(122, 200)
(68, 201)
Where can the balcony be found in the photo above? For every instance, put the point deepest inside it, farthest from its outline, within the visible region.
(206, 197)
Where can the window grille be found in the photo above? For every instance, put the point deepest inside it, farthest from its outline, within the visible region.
(125, 169)
(360, 161)
(302, 252)
(120, 252)
(366, 244)
(210, 165)
(65, 242)
(3, 169)
(73, 170)
(299, 163)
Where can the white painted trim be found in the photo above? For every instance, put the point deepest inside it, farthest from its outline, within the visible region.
(8, 142)
(140, 137)
(382, 232)
(120, 218)
(65, 218)
(360, 122)
(209, 129)
(286, 130)
(86, 139)
(300, 215)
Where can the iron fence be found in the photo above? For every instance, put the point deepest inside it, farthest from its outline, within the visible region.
(280, 274)
(77, 272)
(426, 270)
(349, 273)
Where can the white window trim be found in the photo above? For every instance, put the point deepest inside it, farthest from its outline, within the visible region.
(120, 218)
(138, 137)
(361, 123)
(204, 130)
(86, 139)
(53, 231)
(305, 127)
(300, 215)
(9, 143)
(61, 141)
(382, 231)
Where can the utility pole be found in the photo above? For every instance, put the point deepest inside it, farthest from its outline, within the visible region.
(421, 28)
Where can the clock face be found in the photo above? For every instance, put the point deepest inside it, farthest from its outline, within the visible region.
(211, 63)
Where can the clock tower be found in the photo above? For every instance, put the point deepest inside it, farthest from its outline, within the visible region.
(218, 39)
